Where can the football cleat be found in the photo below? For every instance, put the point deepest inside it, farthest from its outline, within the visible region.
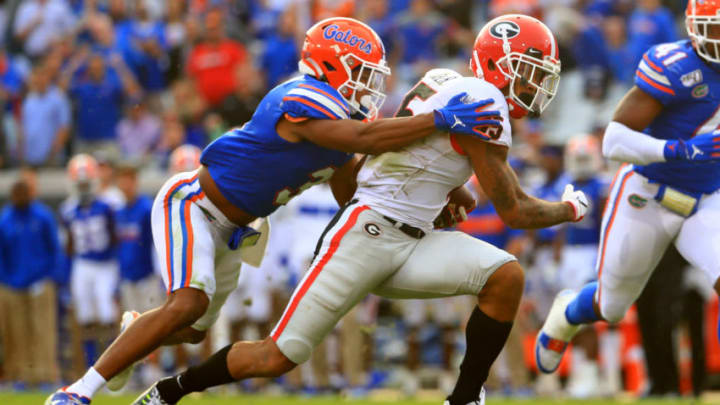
(62, 397)
(119, 381)
(150, 397)
(479, 401)
(555, 334)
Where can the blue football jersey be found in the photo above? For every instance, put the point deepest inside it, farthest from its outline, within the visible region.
(91, 227)
(587, 231)
(256, 169)
(689, 89)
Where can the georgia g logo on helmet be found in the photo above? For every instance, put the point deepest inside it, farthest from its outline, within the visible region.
(505, 29)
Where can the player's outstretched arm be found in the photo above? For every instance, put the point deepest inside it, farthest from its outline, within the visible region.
(625, 142)
(498, 180)
(391, 134)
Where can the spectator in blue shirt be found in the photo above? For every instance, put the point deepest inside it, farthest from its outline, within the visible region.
(99, 97)
(649, 24)
(29, 250)
(281, 54)
(419, 31)
(147, 53)
(45, 121)
(139, 288)
(377, 15)
(620, 56)
(12, 79)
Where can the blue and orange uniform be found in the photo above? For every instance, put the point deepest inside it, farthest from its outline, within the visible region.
(687, 87)
(255, 170)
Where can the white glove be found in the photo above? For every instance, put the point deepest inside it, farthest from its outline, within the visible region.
(577, 200)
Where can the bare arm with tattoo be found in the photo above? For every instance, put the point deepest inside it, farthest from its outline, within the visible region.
(498, 180)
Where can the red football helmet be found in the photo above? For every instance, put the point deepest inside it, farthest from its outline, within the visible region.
(518, 47)
(702, 21)
(185, 158)
(350, 56)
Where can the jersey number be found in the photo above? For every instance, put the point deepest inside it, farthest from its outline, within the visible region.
(90, 235)
(662, 52)
(421, 91)
(316, 177)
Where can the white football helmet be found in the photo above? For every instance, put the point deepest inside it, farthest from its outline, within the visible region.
(583, 156)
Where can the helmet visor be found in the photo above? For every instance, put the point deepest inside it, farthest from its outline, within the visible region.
(534, 81)
(367, 82)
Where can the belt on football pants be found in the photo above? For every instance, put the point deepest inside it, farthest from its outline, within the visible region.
(408, 230)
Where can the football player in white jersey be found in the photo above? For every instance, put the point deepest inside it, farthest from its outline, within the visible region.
(383, 240)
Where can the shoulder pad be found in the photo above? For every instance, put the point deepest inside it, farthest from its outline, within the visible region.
(668, 71)
(438, 77)
(479, 89)
(314, 99)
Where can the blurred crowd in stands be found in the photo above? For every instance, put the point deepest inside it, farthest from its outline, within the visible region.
(132, 80)
(140, 77)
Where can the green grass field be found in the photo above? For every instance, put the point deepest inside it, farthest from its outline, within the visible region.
(37, 399)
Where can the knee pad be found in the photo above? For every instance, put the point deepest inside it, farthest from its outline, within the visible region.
(613, 312)
(297, 350)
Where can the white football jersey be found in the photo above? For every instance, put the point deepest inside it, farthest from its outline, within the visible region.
(412, 184)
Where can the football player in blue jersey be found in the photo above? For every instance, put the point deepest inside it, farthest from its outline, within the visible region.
(666, 130)
(91, 243)
(304, 132)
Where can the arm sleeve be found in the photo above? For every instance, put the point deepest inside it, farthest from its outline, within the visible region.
(626, 145)
(653, 78)
(308, 101)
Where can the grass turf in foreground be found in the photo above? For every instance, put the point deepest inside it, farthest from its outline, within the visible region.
(38, 399)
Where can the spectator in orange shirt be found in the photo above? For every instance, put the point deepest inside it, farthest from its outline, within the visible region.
(212, 62)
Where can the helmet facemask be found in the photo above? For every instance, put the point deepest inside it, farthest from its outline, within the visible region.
(366, 80)
(705, 33)
(581, 166)
(540, 76)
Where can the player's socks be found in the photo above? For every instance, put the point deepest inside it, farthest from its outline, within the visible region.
(88, 385)
(485, 339)
(581, 309)
(214, 371)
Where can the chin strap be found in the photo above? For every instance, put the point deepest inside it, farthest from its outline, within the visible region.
(516, 111)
